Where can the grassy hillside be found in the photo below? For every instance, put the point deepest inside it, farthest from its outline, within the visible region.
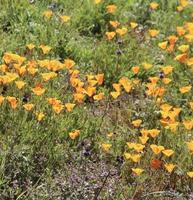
(96, 99)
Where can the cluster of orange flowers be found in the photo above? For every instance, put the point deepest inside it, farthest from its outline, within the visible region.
(157, 87)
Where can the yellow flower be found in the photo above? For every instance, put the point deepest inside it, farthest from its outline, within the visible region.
(137, 122)
(180, 30)
(133, 25)
(115, 95)
(117, 87)
(147, 65)
(73, 135)
(64, 18)
(154, 132)
(135, 157)
(111, 8)
(69, 106)
(28, 106)
(68, 63)
(153, 32)
(143, 139)
(106, 147)
(99, 96)
(1, 99)
(185, 89)
(100, 78)
(136, 146)
(20, 84)
(191, 105)
(38, 90)
(188, 124)
(168, 152)
(127, 156)
(40, 116)
(137, 171)
(184, 3)
(156, 149)
(30, 46)
(163, 45)
(58, 108)
(121, 31)
(45, 49)
(12, 101)
(179, 8)
(110, 35)
(97, 1)
(79, 97)
(48, 14)
(169, 167)
(167, 69)
(135, 69)
(166, 80)
(48, 76)
(154, 5)
(181, 57)
(90, 91)
(115, 24)
(183, 48)
(126, 83)
(190, 174)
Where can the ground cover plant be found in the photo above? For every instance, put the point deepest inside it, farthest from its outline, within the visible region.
(96, 99)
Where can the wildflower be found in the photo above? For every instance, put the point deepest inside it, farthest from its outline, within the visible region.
(154, 5)
(121, 31)
(136, 123)
(190, 146)
(64, 18)
(73, 135)
(106, 146)
(167, 69)
(48, 76)
(12, 101)
(147, 65)
(68, 63)
(180, 30)
(115, 95)
(48, 14)
(97, 1)
(115, 24)
(168, 152)
(40, 116)
(153, 32)
(30, 46)
(38, 90)
(137, 171)
(28, 106)
(163, 45)
(183, 48)
(111, 8)
(190, 174)
(185, 89)
(100, 78)
(126, 83)
(181, 57)
(154, 132)
(110, 35)
(136, 146)
(117, 87)
(135, 69)
(58, 108)
(69, 106)
(143, 139)
(1, 99)
(188, 124)
(20, 84)
(99, 96)
(156, 164)
(79, 97)
(45, 49)
(133, 25)
(169, 167)
(156, 149)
